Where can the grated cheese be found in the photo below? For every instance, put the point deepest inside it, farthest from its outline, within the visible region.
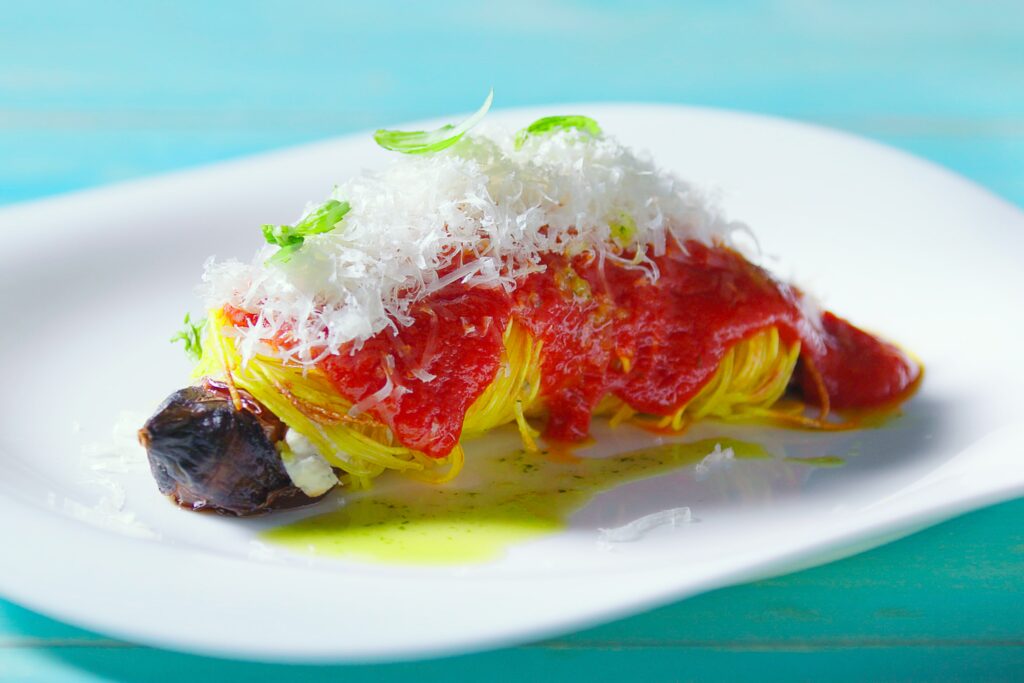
(103, 466)
(638, 528)
(718, 458)
(121, 452)
(481, 212)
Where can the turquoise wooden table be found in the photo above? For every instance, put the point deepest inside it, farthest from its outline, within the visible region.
(92, 93)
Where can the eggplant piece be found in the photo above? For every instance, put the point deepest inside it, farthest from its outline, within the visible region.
(207, 454)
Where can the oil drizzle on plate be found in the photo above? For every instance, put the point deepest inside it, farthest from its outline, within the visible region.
(820, 461)
(495, 502)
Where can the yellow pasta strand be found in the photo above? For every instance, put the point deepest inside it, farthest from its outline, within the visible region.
(514, 389)
(751, 378)
(307, 402)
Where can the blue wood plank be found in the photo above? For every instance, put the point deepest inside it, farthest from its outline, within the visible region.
(406, 59)
(654, 664)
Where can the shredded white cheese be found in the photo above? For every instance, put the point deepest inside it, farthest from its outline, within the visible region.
(638, 528)
(719, 458)
(481, 211)
(122, 452)
(109, 514)
(102, 465)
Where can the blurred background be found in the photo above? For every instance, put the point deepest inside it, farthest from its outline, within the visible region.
(97, 92)
(100, 92)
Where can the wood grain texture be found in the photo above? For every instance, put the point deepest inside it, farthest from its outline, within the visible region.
(92, 93)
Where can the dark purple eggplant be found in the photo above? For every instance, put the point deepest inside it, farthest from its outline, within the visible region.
(207, 454)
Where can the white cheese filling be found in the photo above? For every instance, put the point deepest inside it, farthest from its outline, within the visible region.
(306, 467)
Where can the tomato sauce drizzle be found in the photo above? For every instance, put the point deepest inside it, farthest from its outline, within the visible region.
(606, 329)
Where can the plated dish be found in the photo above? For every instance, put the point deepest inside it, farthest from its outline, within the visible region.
(543, 276)
(889, 241)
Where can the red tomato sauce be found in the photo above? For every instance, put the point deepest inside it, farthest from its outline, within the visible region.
(438, 366)
(607, 329)
(857, 369)
(671, 333)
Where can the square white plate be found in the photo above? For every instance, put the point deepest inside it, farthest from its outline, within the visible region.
(94, 282)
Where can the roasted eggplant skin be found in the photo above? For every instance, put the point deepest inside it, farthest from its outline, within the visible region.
(205, 453)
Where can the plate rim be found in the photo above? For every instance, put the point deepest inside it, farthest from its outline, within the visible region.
(12, 511)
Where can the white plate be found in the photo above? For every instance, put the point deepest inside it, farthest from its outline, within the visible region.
(92, 284)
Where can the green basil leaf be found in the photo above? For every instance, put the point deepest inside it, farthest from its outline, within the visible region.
(426, 142)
